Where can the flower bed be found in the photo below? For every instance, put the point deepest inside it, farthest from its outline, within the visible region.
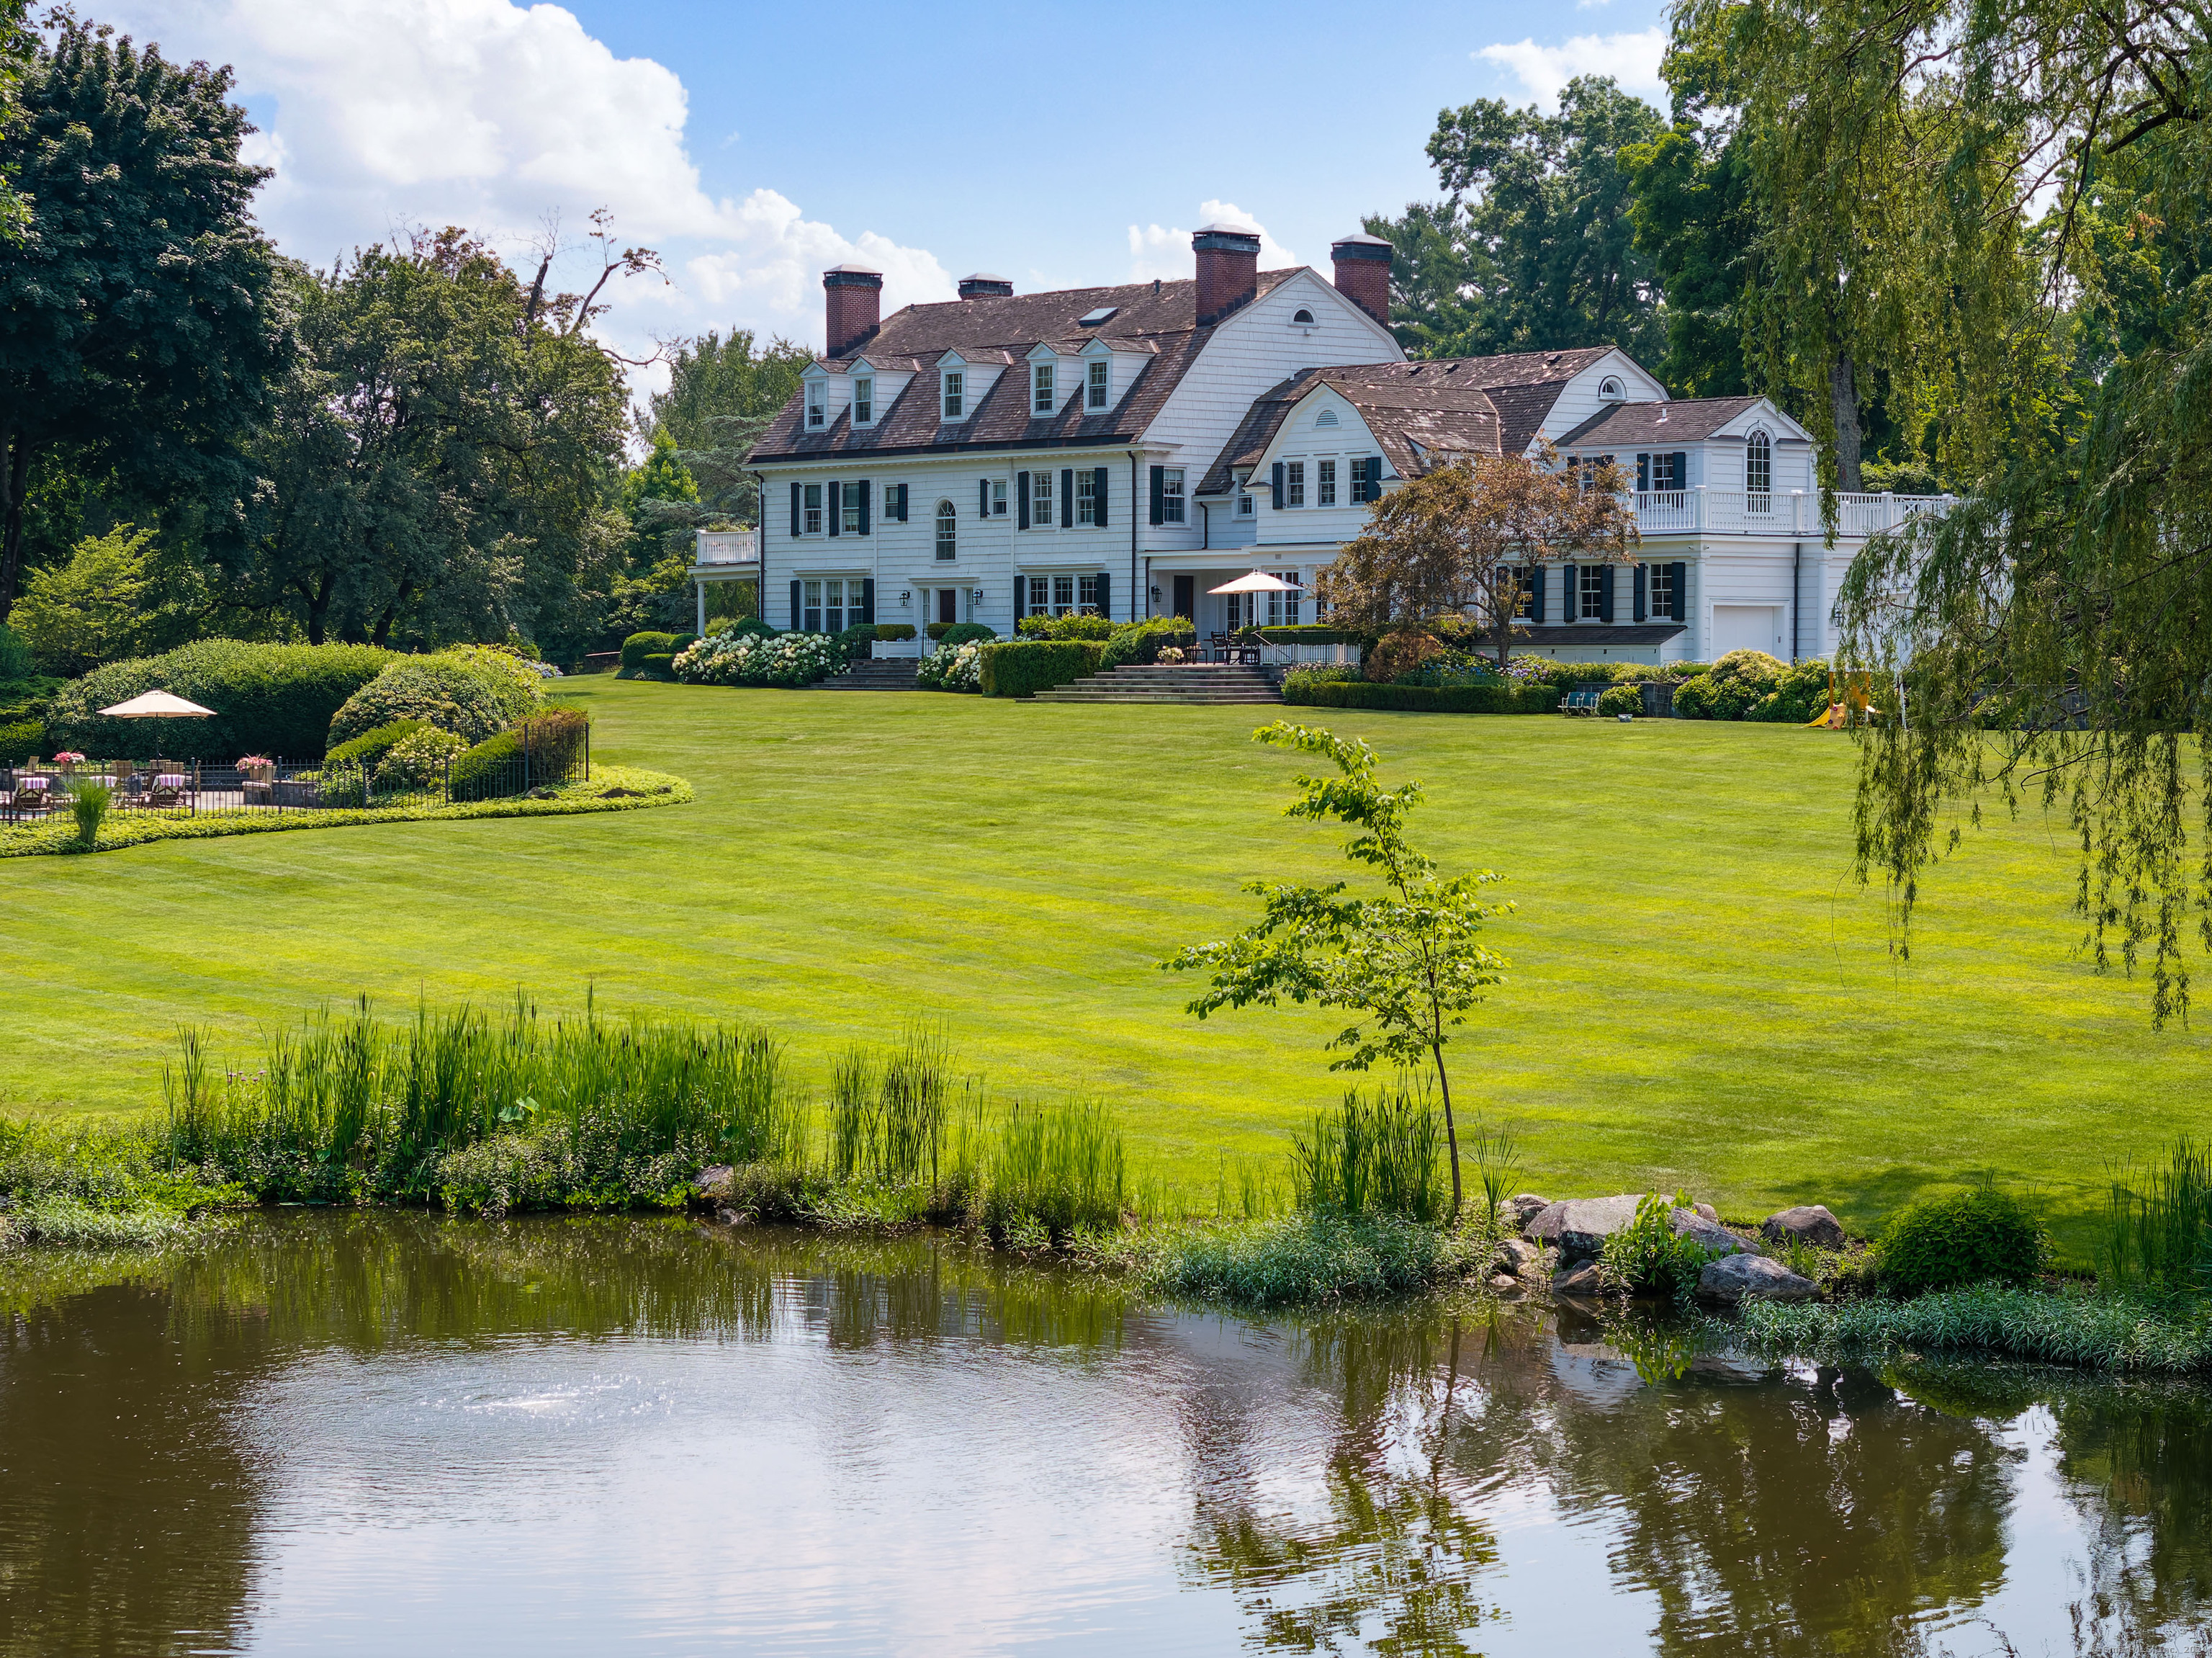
(959, 669)
(790, 660)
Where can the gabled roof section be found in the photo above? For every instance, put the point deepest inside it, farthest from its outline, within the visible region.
(1156, 320)
(1420, 413)
(1687, 420)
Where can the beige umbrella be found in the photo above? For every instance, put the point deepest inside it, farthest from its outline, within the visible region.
(1258, 582)
(157, 705)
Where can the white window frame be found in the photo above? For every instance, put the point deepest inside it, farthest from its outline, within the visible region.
(1044, 388)
(1758, 458)
(948, 532)
(1294, 483)
(810, 605)
(1244, 509)
(1654, 575)
(997, 497)
(1086, 595)
(1172, 509)
(1610, 390)
(1040, 512)
(1098, 384)
(817, 405)
(1040, 596)
(1589, 591)
(864, 400)
(1325, 483)
(849, 507)
(1283, 607)
(810, 518)
(953, 394)
(1086, 502)
(1063, 594)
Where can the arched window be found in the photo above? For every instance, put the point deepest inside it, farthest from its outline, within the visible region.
(1758, 470)
(1302, 315)
(1325, 418)
(948, 520)
(1611, 390)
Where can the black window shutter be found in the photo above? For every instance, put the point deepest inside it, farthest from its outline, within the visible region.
(1374, 477)
(797, 522)
(1105, 596)
(1640, 612)
(982, 498)
(1605, 574)
(1536, 595)
(1678, 607)
(906, 500)
(1067, 497)
(1159, 495)
(1682, 470)
(1279, 486)
(1643, 474)
(1570, 594)
(796, 618)
(833, 497)
(862, 486)
(1021, 592)
(1022, 502)
(868, 599)
(1098, 497)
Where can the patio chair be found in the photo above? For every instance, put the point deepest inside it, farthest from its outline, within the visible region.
(166, 790)
(1582, 702)
(31, 796)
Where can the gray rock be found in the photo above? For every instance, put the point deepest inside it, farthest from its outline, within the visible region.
(1734, 1278)
(714, 1181)
(1516, 1256)
(1716, 1240)
(1709, 1212)
(1810, 1223)
(1527, 1207)
(1580, 1279)
(1505, 1284)
(1578, 1227)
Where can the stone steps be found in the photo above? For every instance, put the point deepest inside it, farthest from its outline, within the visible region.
(890, 675)
(1198, 685)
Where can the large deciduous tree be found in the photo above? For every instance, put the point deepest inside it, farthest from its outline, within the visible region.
(2003, 206)
(137, 321)
(1461, 539)
(1533, 247)
(722, 393)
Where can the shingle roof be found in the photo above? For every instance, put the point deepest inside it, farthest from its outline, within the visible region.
(999, 329)
(1410, 416)
(1686, 420)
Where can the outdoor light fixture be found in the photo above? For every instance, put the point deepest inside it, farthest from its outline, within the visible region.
(906, 598)
(974, 595)
(1156, 595)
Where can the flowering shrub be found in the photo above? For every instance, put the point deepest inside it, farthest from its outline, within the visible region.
(67, 758)
(414, 762)
(731, 658)
(247, 762)
(959, 669)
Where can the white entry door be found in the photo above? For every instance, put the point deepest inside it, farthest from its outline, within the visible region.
(1749, 627)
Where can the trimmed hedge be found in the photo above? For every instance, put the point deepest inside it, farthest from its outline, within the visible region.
(20, 741)
(450, 691)
(554, 743)
(661, 662)
(1025, 667)
(1073, 625)
(1966, 1237)
(893, 633)
(1426, 700)
(268, 700)
(953, 635)
(1312, 633)
(1139, 644)
(371, 746)
(639, 646)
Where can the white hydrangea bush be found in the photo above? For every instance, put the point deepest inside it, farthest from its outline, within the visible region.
(789, 659)
(959, 669)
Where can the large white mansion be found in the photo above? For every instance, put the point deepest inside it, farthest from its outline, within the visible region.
(1127, 448)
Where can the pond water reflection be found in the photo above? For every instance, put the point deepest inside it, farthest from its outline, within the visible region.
(387, 1433)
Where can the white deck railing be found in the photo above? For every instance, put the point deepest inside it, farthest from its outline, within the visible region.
(1739, 512)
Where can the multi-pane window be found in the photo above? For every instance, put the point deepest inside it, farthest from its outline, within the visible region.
(850, 523)
(948, 542)
(997, 497)
(1171, 495)
(1040, 498)
(1039, 596)
(817, 405)
(1236, 611)
(1283, 607)
(1086, 595)
(1759, 470)
(1657, 473)
(1063, 594)
(1590, 585)
(1294, 483)
(1660, 586)
(1086, 497)
(1243, 506)
(1040, 399)
(1097, 391)
(831, 605)
(811, 510)
(956, 393)
(1325, 483)
(864, 401)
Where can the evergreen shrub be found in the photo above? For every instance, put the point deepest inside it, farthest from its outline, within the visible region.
(15, 661)
(371, 746)
(1139, 644)
(960, 633)
(893, 633)
(1070, 626)
(20, 741)
(639, 646)
(1026, 666)
(1496, 697)
(661, 664)
(451, 692)
(268, 700)
(1967, 1237)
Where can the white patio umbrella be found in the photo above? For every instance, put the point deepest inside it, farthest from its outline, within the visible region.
(157, 705)
(1258, 582)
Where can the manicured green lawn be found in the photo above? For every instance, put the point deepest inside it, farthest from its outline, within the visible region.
(1700, 996)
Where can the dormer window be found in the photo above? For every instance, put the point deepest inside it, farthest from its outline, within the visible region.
(1325, 418)
(1610, 390)
(1095, 396)
(817, 406)
(955, 394)
(1041, 393)
(864, 401)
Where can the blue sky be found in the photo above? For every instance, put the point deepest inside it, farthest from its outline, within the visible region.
(1059, 145)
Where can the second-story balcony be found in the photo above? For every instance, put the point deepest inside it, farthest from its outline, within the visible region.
(1796, 514)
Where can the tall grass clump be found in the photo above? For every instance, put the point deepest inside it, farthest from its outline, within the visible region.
(89, 803)
(888, 1114)
(1312, 1258)
(2157, 1231)
(1057, 1171)
(1378, 1155)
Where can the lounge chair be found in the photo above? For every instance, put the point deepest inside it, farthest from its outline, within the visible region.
(1582, 702)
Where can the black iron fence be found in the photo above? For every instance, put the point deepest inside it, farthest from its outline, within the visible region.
(29, 792)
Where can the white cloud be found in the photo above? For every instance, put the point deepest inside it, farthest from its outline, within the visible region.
(1160, 252)
(482, 112)
(1631, 60)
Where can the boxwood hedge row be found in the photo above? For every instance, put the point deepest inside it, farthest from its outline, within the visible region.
(269, 700)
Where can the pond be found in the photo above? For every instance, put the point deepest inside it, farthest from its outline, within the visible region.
(395, 1433)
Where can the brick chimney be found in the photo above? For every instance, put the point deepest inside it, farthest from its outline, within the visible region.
(982, 286)
(1362, 274)
(855, 295)
(1228, 269)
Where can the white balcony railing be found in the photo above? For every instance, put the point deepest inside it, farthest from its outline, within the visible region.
(726, 547)
(1741, 512)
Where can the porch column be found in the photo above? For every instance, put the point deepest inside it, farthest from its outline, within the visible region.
(699, 587)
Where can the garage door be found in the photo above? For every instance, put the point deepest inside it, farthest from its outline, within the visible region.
(1749, 627)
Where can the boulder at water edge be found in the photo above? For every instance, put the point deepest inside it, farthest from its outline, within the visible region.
(1713, 1238)
(1707, 1212)
(1578, 1227)
(1734, 1278)
(1516, 1256)
(714, 1181)
(1580, 1279)
(1527, 1207)
(1810, 1223)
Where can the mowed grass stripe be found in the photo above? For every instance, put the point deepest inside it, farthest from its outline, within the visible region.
(1701, 994)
